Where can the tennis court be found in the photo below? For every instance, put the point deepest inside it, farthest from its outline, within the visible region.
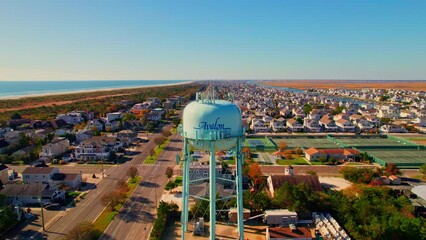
(259, 144)
(372, 141)
(401, 157)
(306, 142)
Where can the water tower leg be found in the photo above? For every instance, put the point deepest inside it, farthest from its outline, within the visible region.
(185, 187)
(212, 192)
(240, 209)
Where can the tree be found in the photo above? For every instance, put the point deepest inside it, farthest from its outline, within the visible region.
(282, 146)
(132, 173)
(84, 231)
(288, 156)
(159, 140)
(15, 116)
(423, 169)
(298, 151)
(122, 186)
(150, 126)
(247, 152)
(392, 169)
(307, 108)
(111, 199)
(323, 159)
(112, 156)
(176, 121)
(169, 172)
(166, 133)
(255, 174)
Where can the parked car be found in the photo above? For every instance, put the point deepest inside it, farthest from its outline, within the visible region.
(53, 206)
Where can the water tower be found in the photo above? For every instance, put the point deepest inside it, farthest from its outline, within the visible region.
(212, 125)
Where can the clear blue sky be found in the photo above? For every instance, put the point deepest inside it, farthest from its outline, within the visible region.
(216, 39)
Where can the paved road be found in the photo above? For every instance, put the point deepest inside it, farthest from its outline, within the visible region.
(90, 208)
(74, 168)
(136, 218)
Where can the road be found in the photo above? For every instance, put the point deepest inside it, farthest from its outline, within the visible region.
(90, 208)
(137, 215)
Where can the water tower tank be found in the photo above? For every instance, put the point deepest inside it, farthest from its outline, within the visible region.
(214, 120)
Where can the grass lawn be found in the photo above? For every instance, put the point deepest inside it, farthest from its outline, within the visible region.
(230, 162)
(102, 222)
(157, 150)
(297, 160)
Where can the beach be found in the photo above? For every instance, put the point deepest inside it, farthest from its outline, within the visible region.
(105, 93)
(102, 89)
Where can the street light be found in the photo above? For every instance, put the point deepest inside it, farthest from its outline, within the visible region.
(145, 232)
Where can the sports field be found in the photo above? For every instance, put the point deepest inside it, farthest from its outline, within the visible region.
(400, 157)
(373, 141)
(305, 142)
(259, 144)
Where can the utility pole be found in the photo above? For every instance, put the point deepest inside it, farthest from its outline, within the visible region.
(102, 167)
(42, 212)
(155, 194)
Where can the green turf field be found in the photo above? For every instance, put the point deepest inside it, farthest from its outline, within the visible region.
(304, 142)
(373, 141)
(402, 157)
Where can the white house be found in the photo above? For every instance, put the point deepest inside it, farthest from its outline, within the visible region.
(294, 125)
(38, 174)
(278, 125)
(55, 148)
(113, 116)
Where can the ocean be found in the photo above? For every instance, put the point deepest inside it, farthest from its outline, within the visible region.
(24, 88)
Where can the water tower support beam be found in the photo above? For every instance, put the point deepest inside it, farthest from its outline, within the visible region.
(212, 191)
(185, 190)
(240, 209)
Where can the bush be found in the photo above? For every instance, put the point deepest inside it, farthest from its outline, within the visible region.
(170, 185)
(165, 212)
(84, 230)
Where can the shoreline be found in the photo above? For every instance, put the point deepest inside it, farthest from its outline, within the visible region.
(87, 91)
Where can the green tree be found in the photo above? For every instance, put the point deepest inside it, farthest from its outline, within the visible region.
(8, 217)
(15, 116)
(176, 121)
(423, 169)
(307, 108)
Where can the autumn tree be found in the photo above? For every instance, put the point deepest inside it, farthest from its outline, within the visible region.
(255, 174)
(169, 172)
(247, 152)
(282, 146)
(298, 151)
(84, 230)
(392, 169)
(166, 133)
(111, 199)
(122, 186)
(288, 156)
(159, 140)
(132, 173)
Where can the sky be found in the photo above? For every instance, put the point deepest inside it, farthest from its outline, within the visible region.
(218, 39)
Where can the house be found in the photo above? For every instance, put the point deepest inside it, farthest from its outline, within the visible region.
(198, 171)
(232, 214)
(83, 135)
(328, 124)
(127, 136)
(71, 118)
(280, 217)
(312, 125)
(4, 174)
(278, 125)
(113, 116)
(41, 175)
(394, 180)
(294, 125)
(31, 194)
(55, 148)
(71, 180)
(274, 182)
(3, 131)
(392, 129)
(345, 125)
(132, 125)
(314, 154)
(258, 125)
(97, 124)
(365, 125)
(290, 233)
(97, 148)
(156, 114)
